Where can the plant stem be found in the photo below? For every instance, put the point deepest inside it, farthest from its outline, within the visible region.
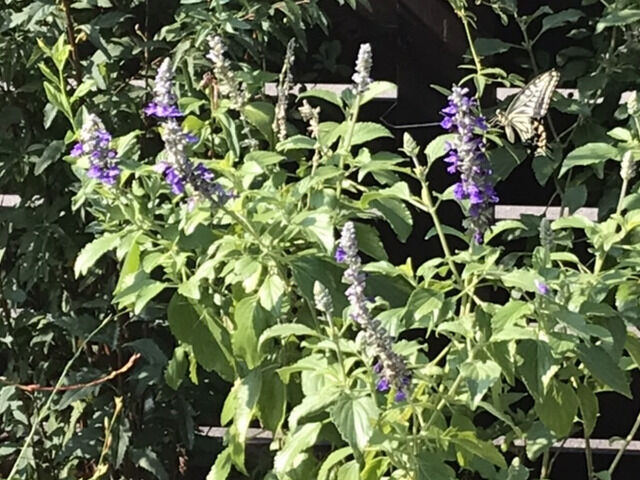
(544, 470)
(624, 446)
(345, 145)
(623, 193)
(465, 22)
(71, 36)
(588, 456)
(336, 339)
(45, 409)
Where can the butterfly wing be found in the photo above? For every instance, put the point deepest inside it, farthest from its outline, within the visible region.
(532, 102)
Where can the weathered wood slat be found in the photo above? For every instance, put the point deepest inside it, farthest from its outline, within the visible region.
(260, 436)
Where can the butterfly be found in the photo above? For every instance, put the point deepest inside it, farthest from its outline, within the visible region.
(525, 112)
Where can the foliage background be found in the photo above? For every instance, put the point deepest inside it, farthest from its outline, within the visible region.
(48, 311)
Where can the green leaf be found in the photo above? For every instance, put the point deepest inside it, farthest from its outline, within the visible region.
(260, 115)
(603, 368)
(177, 367)
(490, 46)
(246, 394)
(632, 345)
(264, 158)
(589, 154)
(588, 403)
(480, 448)
(304, 437)
(558, 408)
(349, 471)
(272, 404)
(326, 95)
(366, 131)
(92, 252)
(369, 241)
(575, 197)
(621, 17)
(355, 417)
(436, 148)
(222, 466)
(543, 168)
(286, 330)
(307, 269)
(210, 341)
(480, 376)
(538, 440)
(251, 320)
(521, 279)
(297, 142)
(149, 461)
(311, 405)
(271, 293)
(504, 160)
(375, 89)
(332, 460)
(319, 226)
(396, 214)
(130, 266)
(51, 154)
(559, 19)
(538, 367)
(138, 290)
(621, 134)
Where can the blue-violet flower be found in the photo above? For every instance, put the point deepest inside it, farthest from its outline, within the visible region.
(466, 156)
(390, 367)
(95, 143)
(178, 170)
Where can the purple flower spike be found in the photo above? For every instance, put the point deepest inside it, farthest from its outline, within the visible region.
(466, 157)
(178, 170)
(94, 142)
(390, 367)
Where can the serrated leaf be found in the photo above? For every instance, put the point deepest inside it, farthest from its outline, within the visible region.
(480, 376)
(364, 132)
(92, 252)
(589, 154)
(304, 437)
(355, 417)
(251, 320)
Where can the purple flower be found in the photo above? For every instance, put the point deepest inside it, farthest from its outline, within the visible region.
(466, 156)
(164, 100)
(390, 367)
(383, 385)
(401, 396)
(95, 143)
(178, 170)
(543, 288)
(340, 255)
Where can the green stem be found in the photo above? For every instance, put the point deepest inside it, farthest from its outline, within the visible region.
(544, 470)
(345, 145)
(465, 22)
(336, 339)
(588, 456)
(45, 410)
(624, 446)
(623, 193)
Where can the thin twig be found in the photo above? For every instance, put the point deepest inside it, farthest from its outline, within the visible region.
(34, 387)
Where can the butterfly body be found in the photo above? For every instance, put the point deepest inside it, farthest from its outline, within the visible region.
(525, 112)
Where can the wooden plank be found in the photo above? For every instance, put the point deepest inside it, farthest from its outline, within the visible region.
(503, 212)
(577, 445)
(271, 89)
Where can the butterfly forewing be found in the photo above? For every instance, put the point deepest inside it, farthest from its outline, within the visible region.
(531, 103)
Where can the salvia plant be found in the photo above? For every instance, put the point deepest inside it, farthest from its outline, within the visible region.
(253, 226)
